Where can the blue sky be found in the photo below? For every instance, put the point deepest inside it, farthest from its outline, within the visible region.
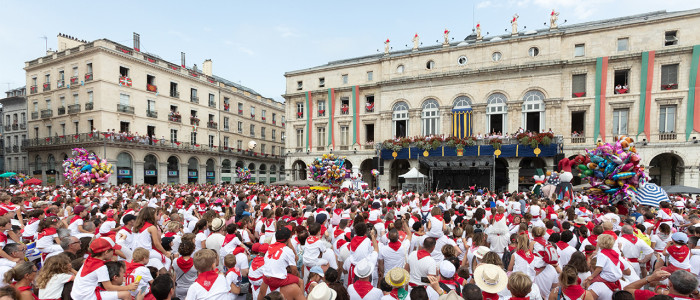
(255, 42)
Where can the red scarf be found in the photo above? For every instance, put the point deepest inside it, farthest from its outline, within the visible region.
(630, 237)
(519, 298)
(498, 217)
(75, 218)
(169, 234)
(362, 287)
(489, 296)
(395, 245)
(145, 226)
(610, 233)
(439, 217)
(562, 245)
(679, 253)
(356, 241)
(47, 232)
(131, 267)
(450, 282)
(338, 232)
(593, 239)
(541, 241)
(527, 256)
(311, 239)
(238, 250)
(91, 264)
(207, 279)
(614, 257)
(273, 249)
(184, 264)
(574, 291)
(422, 253)
(228, 238)
(258, 262)
(127, 229)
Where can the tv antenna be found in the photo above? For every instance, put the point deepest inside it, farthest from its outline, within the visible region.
(46, 41)
(8, 84)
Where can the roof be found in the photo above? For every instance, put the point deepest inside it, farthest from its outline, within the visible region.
(470, 40)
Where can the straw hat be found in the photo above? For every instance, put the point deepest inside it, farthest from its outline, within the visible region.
(490, 278)
(322, 292)
(217, 224)
(397, 277)
(580, 221)
(452, 295)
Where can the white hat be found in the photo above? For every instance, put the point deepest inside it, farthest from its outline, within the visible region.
(490, 278)
(322, 292)
(447, 269)
(452, 295)
(481, 251)
(363, 269)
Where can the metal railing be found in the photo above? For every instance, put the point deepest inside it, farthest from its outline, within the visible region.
(175, 94)
(212, 125)
(89, 106)
(62, 110)
(60, 84)
(88, 77)
(47, 87)
(125, 108)
(35, 115)
(23, 126)
(151, 113)
(8, 127)
(15, 148)
(578, 140)
(15, 126)
(8, 149)
(46, 113)
(194, 99)
(175, 118)
(33, 89)
(73, 108)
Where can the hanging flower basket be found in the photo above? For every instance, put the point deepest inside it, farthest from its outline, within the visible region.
(496, 143)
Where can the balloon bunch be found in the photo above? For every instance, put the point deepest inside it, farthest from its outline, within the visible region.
(613, 170)
(375, 173)
(19, 179)
(86, 168)
(329, 169)
(243, 174)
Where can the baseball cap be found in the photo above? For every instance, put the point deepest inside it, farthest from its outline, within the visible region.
(78, 209)
(283, 234)
(103, 244)
(680, 237)
(263, 248)
(316, 270)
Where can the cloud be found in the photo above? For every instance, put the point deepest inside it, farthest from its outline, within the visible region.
(484, 4)
(286, 31)
(583, 10)
(180, 35)
(246, 50)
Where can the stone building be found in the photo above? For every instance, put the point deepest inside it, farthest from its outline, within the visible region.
(14, 121)
(154, 120)
(587, 82)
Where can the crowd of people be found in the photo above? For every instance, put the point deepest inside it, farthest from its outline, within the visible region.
(261, 242)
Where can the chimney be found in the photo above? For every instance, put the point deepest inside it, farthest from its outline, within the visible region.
(206, 67)
(137, 42)
(182, 58)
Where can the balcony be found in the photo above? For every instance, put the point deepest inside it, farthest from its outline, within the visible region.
(62, 110)
(344, 148)
(125, 81)
(226, 128)
(174, 94)
(35, 115)
(122, 108)
(7, 128)
(194, 121)
(8, 149)
(212, 104)
(226, 107)
(60, 84)
(15, 126)
(15, 148)
(89, 106)
(88, 77)
(73, 108)
(174, 117)
(47, 87)
(46, 113)
(23, 126)
(151, 88)
(74, 82)
(212, 125)
(33, 89)
(578, 140)
(369, 107)
(667, 136)
(321, 148)
(194, 99)
(345, 109)
(151, 113)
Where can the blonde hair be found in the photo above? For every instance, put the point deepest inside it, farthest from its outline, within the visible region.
(538, 231)
(606, 241)
(57, 264)
(523, 242)
(18, 273)
(519, 284)
(173, 226)
(140, 254)
(204, 259)
(230, 261)
(568, 276)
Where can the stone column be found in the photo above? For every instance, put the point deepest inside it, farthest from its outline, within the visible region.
(217, 173)
(163, 172)
(513, 178)
(138, 175)
(113, 179)
(202, 174)
(183, 173)
(690, 177)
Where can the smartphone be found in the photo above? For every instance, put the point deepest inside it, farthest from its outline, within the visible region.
(143, 289)
(424, 280)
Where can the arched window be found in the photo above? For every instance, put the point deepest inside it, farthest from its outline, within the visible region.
(533, 111)
(497, 111)
(399, 118)
(462, 102)
(430, 117)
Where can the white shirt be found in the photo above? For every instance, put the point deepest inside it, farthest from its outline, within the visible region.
(54, 288)
(374, 294)
(5, 265)
(218, 291)
(393, 259)
(145, 278)
(277, 267)
(611, 272)
(74, 227)
(84, 287)
(420, 268)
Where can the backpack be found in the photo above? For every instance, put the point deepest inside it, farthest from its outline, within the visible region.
(507, 255)
(447, 289)
(550, 255)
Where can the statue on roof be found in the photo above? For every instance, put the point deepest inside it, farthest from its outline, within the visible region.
(416, 42)
(554, 16)
(446, 35)
(478, 31)
(386, 46)
(514, 24)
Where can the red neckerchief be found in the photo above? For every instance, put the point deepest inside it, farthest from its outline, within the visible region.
(679, 253)
(228, 238)
(184, 264)
(527, 256)
(489, 296)
(258, 262)
(145, 226)
(630, 237)
(610, 233)
(273, 249)
(422, 253)
(311, 239)
(614, 257)
(3, 237)
(549, 231)
(47, 232)
(541, 241)
(395, 245)
(449, 281)
(562, 245)
(128, 211)
(91, 264)
(238, 250)
(356, 241)
(207, 279)
(234, 270)
(75, 218)
(519, 298)
(32, 220)
(131, 267)
(593, 239)
(169, 234)
(498, 217)
(573, 291)
(439, 217)
(110, 220)
(340, 243)
(362, 287)
(338, 232)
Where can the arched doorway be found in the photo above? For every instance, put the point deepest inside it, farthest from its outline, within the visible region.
(150, 169)
(282, 175)
(226, 170)
(253, 178)
(299, 170)
(239, 165)
(262, 172)
(666, 169)
(501, 176)
(273, 173)
(211, 173)
(192, 170)
(38, 167)
(366, 167)
(125, 172)
(51, 170)
(398, 167)
(528, 167)
(348, 165)
(173, 170)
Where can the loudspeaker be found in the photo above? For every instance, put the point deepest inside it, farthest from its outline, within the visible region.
(557, 158)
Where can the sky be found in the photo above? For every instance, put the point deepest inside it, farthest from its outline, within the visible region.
(255, 42)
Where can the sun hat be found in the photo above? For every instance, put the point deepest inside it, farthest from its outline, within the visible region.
(580, 221)
(490, 278)
(452, 295)
(217, 224)
(481, 251)
(397, 277)
(322, 292)
(316, 270)
(447, 269)
(363, 269)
